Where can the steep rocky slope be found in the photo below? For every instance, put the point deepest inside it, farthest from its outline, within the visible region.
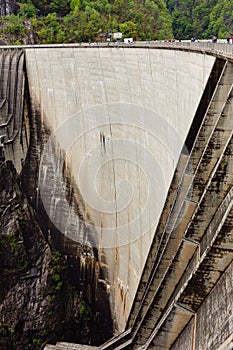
(37, 301)
(7, 7)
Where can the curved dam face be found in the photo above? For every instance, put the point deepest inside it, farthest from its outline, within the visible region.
(118, 119)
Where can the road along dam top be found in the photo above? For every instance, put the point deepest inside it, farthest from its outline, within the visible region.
(118, 118)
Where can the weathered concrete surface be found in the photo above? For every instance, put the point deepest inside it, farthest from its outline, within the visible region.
(118, 114)
(212, 327)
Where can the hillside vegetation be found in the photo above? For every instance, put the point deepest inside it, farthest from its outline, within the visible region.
(201, 18)
(68, 21)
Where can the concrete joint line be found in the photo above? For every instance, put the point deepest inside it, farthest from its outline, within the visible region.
(192, 241)
(4, 125)
(184, 308)
(3, 102)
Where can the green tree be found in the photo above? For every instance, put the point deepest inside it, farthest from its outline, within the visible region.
(192, 18)
(27, 11)
(14, 29)
(75, 5)
(201, 20)
(51, 31)
(61, 7)
(221, 19)
(82, 20)
(128, 29)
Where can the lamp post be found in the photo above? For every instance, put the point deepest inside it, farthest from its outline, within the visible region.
(110, 34)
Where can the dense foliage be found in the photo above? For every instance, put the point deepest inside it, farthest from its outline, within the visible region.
(65, 21)
(201, 18)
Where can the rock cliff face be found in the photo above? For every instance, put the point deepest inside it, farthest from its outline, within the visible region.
(51, 288)
(37, 300)
(8, 7)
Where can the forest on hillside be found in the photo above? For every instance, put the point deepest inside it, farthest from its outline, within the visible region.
(71, 21)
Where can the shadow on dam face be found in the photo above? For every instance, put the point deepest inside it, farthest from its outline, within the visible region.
(85, 271)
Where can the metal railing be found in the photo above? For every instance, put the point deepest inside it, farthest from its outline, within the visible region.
(221, 49)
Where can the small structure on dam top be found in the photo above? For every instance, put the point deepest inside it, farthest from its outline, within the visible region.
(130, 149)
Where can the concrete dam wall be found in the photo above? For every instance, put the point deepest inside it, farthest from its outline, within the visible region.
(125, 153)
(114, 123)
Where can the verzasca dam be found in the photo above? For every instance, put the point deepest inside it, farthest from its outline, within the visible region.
(128, 153)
